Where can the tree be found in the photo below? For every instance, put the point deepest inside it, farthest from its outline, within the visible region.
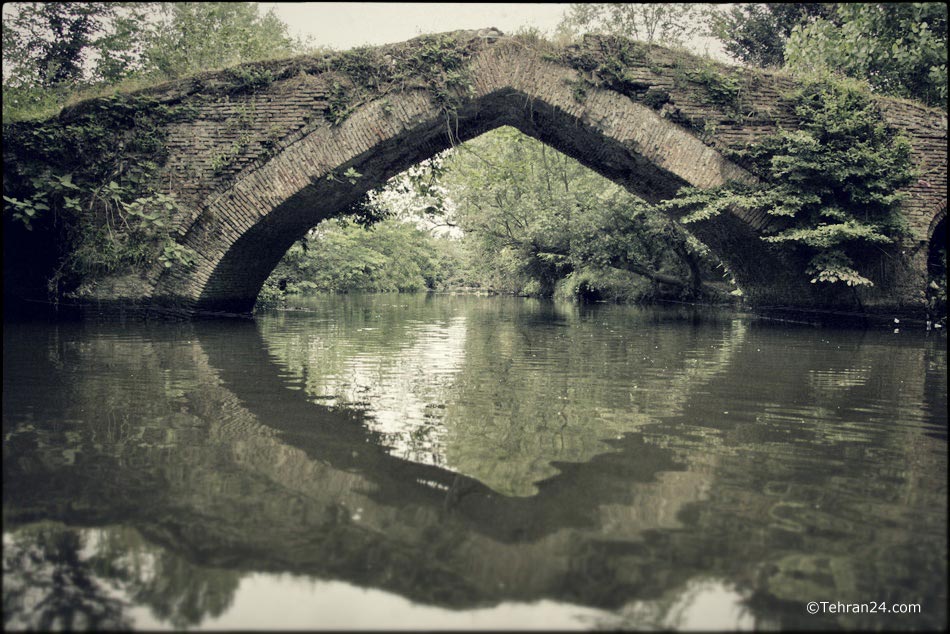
(756, 33)
(833, 183)
(668, 24)
(54, 50)
(51, 49)
(900, 49)
(54, 43)
(534, 217)
(343, 256)
(195, 36)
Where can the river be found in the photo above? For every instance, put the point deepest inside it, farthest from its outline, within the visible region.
(413, 461)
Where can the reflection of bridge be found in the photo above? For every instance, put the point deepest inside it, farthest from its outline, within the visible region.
(319, 469)
(298, 488)
(257, 156)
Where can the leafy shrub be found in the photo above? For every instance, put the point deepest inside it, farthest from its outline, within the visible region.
(832, 183)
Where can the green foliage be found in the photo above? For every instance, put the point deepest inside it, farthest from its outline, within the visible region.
(339, 104)
(531, 217)
(89, 179)
(342, 256)
(667, 24)
(900, 49)
(656, 99)
(756, 33)
(603, 284)
(605, 60)
(240, 124)
(832, 183)
(195, 36)
(49, 44)
(54, 51)
(249, 78)
(437, 62)
(718, 89)
(578, 89)
(90, 183)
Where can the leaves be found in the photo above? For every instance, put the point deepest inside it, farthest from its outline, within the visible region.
(174, 253)
(532, 216)
(342, 256)
(668, 24)
(52, 50)
(900, 49)
(833, 183)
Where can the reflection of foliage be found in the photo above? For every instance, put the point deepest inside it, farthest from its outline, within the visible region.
(473, 387)
(512, 418)
(797, 489)
(56, 577)
(48, 584)
(182, 594)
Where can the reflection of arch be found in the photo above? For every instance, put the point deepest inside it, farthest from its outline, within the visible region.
(438, 534)
(341, 439)
(336, 369)
(185, 498)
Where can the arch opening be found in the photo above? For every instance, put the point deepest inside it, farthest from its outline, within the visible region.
(504, 213)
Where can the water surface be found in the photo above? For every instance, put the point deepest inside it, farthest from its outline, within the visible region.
(468, 462)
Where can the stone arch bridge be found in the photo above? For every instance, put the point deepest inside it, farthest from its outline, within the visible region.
(258, 154)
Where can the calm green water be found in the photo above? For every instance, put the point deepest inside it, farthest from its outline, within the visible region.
(399, 461)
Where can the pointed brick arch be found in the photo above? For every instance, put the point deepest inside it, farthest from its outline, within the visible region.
(245, 229)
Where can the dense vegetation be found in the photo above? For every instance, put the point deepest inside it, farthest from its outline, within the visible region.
(57, 53)
(833, 182)
(898, 49)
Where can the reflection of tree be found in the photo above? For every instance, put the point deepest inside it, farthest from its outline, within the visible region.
(538, 390)
(364, 354)
(497, 389)
(56, 577)
(832, 489)
(681, 609)
(184, 595)
(48, 584)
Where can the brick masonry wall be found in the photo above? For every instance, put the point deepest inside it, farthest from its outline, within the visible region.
(254, 165)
